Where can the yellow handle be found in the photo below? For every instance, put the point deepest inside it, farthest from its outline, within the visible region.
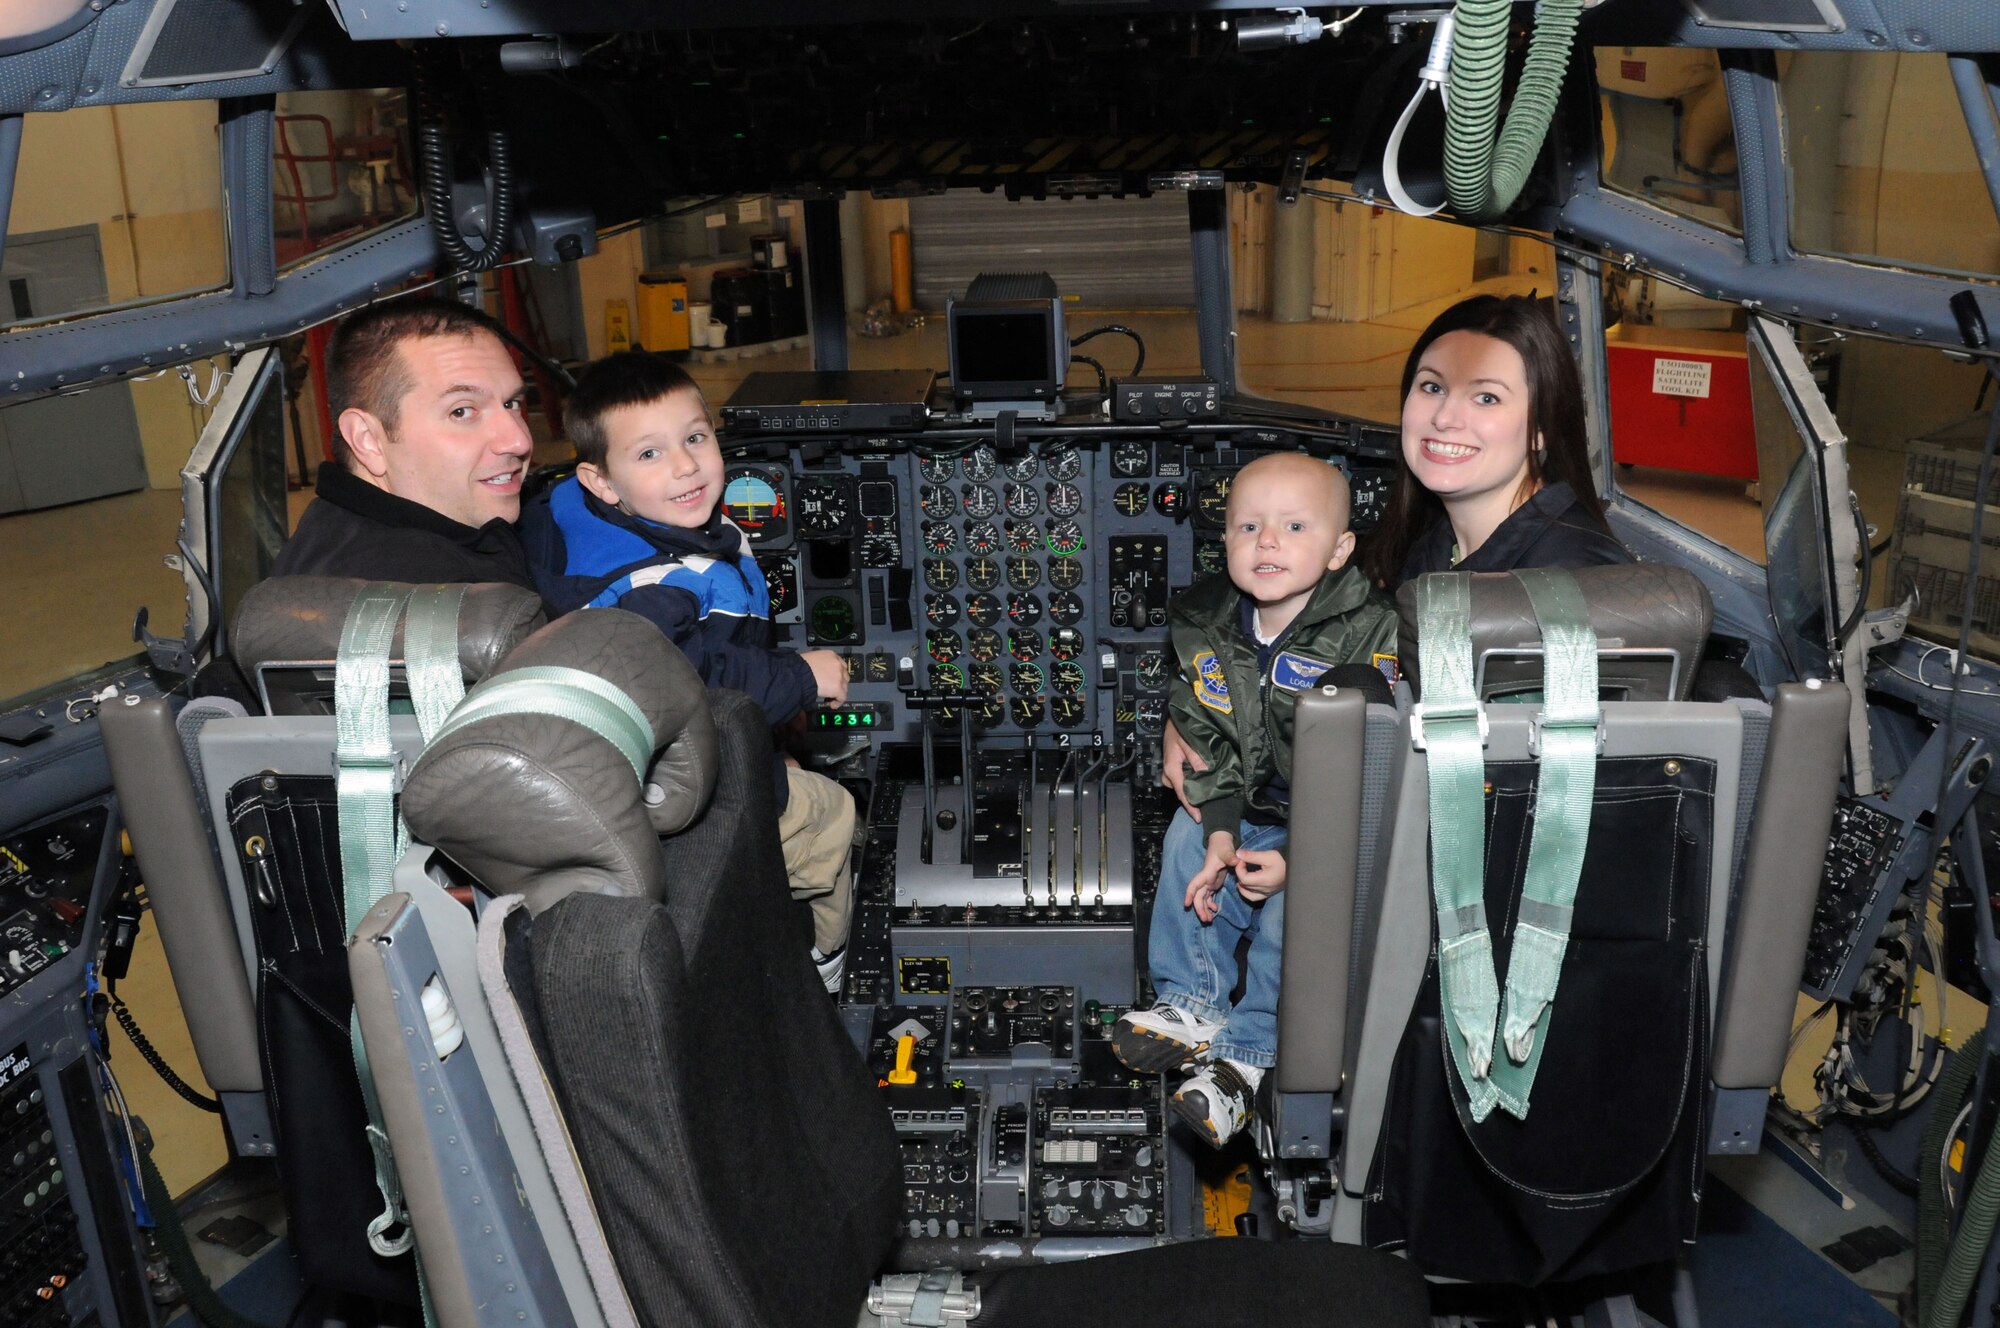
(906, 1051)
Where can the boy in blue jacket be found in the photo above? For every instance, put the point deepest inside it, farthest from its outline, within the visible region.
(640, 527)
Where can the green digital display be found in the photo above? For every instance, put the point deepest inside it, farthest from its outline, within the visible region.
(851, 717)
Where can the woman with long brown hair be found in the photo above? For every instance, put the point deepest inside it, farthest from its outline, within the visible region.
(1496, 465)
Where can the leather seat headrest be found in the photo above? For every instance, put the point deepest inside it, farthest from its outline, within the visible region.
(542, 806)
(1651, 620)
(298, 620)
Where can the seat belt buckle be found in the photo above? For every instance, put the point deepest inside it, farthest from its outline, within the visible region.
(1541, 721)
(1420, 712)
(390, 761)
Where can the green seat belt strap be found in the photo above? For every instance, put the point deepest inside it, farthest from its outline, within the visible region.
(571, 694)
(370, 839)
(1567, 738)
(430, 655)
(1451, 727)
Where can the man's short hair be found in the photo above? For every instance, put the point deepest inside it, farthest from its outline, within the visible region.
(364, 363)
(629, 378)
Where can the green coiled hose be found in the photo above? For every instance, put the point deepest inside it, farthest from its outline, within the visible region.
(1942, 1292)
(1483, 179)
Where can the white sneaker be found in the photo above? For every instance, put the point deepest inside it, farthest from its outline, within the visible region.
(832, 967)
(1217, 1100)
(1163, 1038)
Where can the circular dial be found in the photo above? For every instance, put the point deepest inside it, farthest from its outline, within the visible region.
(1152, 669)
(1025, 537)
(947, 677)
(991, 711)
(1022, 500)
(1210, 557)
(1023, 610)
(1027, 679)
(1132, 457)
(937, 502)
(1066, 676)
(983, 610)
(1065, 538)
(1130, 498)
(1065, 643)
(1026, 711)
(1066, 573)
(936, 469)
(982, 573)
(977, 465)
(1023, 572)
(880, 551)
(940, 537)
(1065, 499)
(755, 500)
(1066, 606)
(981, 537)
(1171, 500)
(1024, 643)
(1063, 463)
(832, 618)
(940, 574)
(1067, 711)
(983, 678)
(941, 645)
(823, 508)
(940, 610)
(983, 644)
(1211, 498)
(1150, 715)
(1023, 468)
(980, 501)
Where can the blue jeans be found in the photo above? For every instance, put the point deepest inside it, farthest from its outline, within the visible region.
(1194, 963)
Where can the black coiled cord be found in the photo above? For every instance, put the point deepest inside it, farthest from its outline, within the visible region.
(435, 177)
(152, 1057)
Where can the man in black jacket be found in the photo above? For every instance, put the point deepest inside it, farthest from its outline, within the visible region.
(432, 448)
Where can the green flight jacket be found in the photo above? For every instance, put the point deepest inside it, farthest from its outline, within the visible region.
(1240, 720)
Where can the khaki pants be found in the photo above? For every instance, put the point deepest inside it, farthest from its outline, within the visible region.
(818, 831)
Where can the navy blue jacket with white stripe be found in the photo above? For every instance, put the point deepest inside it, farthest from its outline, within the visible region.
(701, 586)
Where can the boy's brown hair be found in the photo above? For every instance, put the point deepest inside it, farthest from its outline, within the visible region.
(629, 378)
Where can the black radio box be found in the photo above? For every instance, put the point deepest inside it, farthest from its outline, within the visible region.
(1149, 399)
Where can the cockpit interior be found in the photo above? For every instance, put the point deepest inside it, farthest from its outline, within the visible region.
(461, 980)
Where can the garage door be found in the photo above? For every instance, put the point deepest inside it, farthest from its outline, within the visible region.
(1109, 253)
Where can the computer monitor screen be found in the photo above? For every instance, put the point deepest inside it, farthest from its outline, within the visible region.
(1004, 347)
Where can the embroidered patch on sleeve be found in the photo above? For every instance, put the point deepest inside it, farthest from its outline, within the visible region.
(1210, 688)
(1292, 672)
(1387, 664)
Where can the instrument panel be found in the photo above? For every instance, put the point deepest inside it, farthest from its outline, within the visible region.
(1032, 581)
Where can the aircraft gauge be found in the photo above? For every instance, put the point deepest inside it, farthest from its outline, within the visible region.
(1065, 538)
(1023, 573)
(940, 574)
(1063, 463)
(937, 502)
(1065, 499)
(1022, 500)
(1130, 499)
(980, 501)
(983, 644)
(1023, 610)
(1026, 679)
(1211, 497)
(936, 469)
(825, 507)
(1132, 458)
(1022, 469)
(942, 646)
(1066, 607)
(1067, 711)
(983, 610)
(1066, 676)
(977, 465)
(1065, 643)
(981, 537)
(754, 498)
(982, 573)
(1024, 536)
(940, 537)
(1024, 643)
(1171, 501)
(1026, 711)
(940, 610)
(1066, 573)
